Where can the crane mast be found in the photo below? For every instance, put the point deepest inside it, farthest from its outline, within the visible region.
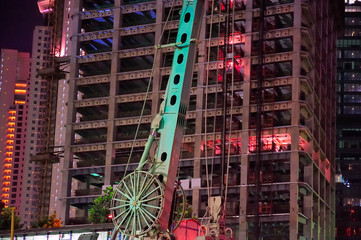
(142, 201)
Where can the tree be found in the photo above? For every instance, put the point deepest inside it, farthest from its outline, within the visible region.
(49, 222)
(100, 213)
(5, 220)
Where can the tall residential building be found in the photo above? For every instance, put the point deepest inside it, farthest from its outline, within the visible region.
(47, 103)
(34, 186)
(270, 123)
(348, 204)
(14, 85)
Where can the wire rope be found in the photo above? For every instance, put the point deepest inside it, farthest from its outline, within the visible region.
(216, 95)
(148, 88)
(206, 101)
(230, 117)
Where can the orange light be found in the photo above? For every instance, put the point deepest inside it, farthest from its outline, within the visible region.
(9, 154)
(11, 118)
(20, 85)
(6, 183)
(20, 91)
(11, 130)
(5, 195)
(6, 177)
(8, 159)
(10, 136)
(7, 171)
(11, 124)
(8, 165)
(6, 201)
(10, 142)
(12, 112)
(19, 102)
(9, 147)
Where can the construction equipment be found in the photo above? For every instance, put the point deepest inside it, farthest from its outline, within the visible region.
(142, 203)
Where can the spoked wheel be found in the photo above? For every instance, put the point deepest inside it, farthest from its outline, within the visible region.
(179, 207)
(137, 203)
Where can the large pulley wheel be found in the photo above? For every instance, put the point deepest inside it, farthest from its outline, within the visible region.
(137, 203)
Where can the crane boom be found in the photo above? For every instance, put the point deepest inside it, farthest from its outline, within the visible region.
(143, 200)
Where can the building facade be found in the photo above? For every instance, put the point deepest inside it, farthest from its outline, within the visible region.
(262, 106)
(348, 125)
(34, 171)
(14, 86)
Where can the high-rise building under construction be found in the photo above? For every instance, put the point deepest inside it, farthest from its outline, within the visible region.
(261, 117)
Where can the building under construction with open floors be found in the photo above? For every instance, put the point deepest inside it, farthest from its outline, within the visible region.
(261, 118)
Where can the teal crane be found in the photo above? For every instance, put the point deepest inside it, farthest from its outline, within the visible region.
(142, 202)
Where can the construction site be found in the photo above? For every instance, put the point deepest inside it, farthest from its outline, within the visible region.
(260, 125)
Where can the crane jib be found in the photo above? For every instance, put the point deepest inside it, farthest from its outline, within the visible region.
(142, 201)
(176, 103)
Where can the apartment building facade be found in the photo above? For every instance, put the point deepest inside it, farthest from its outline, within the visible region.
(14, 87)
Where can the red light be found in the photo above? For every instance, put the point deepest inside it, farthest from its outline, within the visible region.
(348, 232)
(110, 216)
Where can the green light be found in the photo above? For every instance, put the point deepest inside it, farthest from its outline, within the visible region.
(95, 174)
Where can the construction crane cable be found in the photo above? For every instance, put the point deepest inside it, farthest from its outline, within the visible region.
(206, 101)
(216, 95)
(259, 116)
(148, 88)
(230, 117)
(224, 102)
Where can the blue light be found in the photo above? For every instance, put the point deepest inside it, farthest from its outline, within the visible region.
(100, 42)
(152, 13)
(140, 13)
(94, 47)
(99, 19)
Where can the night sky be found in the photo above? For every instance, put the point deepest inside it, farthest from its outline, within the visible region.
(18, 19)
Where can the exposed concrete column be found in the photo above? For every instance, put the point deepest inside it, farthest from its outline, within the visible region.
(323, 222)
(243, 202)
(113, 92)
(308, 202)
(70, 117)
(295, 121)
(316, 205)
